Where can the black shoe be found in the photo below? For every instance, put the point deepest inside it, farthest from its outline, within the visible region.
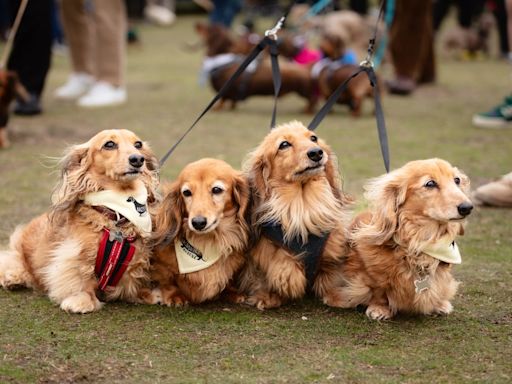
(29, 107)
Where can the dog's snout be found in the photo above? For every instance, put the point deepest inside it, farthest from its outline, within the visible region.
(316, 154)
(464, 209)
(136, 160)
(199, 222)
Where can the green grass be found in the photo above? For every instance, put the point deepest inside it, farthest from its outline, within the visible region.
(224, 343)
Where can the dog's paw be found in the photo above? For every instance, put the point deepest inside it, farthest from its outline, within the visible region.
(378, 312)
(266, 301)
(173, 299)
(15, 279)
(81, 302)
(444, 309)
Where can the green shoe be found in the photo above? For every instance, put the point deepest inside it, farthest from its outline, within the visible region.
(498, 117)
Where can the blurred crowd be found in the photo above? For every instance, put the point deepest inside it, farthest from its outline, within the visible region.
(326, 37)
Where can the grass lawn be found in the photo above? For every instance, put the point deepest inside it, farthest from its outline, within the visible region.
(301, 342)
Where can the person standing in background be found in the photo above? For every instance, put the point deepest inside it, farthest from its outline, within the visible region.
(31, 53)
(95, 31)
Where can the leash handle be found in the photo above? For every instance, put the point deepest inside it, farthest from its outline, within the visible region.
(12, 34)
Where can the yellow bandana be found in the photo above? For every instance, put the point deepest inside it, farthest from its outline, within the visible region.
(445, 250)
(131, 205)
(191, 259)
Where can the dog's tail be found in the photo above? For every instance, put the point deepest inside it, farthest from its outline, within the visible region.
(13, 273)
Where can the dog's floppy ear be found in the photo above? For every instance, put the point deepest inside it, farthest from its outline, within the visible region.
(333, 177)
(386, 194)
(151, 176)
(257, 169)
(169, 216)
(75, 180)
(241, 197)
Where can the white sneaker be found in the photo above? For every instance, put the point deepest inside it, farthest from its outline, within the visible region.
(77, 85)
(159, 15)
(103, 94)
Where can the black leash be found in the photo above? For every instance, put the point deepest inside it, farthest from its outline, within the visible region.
(367, 67)
(269, 40)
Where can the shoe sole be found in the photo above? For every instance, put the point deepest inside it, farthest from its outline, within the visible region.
(483, 122)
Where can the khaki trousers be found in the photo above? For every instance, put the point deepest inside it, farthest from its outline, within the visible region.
(96, 34)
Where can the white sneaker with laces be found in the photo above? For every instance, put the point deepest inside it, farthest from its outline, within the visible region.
(102, 94)
(77, 85)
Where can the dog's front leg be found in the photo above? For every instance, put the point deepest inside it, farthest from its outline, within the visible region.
(69, 277)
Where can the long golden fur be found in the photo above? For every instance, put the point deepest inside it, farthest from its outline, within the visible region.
(56, 251)
(206, 205)
(305, 196)
(407, 213)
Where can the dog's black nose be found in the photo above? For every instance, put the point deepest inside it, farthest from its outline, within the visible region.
(464, 209)
(316, 154)
(199, 222)
(136, 160)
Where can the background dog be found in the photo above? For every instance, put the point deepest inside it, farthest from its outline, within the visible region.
(295, 184)
(222, 61)
(203, 233)
(56, 252)
(10, 87)
(403, 247)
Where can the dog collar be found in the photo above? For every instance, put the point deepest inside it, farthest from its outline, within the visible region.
(191, 259)
(445, 250)
(132, 205)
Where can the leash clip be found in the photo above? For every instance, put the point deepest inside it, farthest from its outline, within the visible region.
(272, 33)
(366, 63)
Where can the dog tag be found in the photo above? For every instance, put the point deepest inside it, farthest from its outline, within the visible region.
(116, 235)
(422, 284)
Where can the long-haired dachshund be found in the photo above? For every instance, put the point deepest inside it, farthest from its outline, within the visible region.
(203, 233)
(403, 247)
(299, 217)
(224, 55)
(10, 88)
(101, 203)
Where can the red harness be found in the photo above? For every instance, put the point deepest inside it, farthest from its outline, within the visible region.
(114, 256)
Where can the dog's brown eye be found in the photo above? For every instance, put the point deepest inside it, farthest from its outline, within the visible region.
(314, 139)
(217, 190)
(457, 180)
(284, 144)
(110, 145)
(187, 193)
(138, 144)
(431, 184)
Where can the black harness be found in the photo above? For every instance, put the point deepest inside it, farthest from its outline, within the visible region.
(311, 250)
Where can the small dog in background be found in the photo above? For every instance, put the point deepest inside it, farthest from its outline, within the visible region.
(337, 66)
(299, 218)
(10, 88)
(224, 54)
(101, 203)
(403, 247)
(202, 234)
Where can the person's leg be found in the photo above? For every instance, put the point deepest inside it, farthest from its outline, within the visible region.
(500, 13)
(411, 45)
(79, 34)
(110, 23)
(440, 10)
(31, 53)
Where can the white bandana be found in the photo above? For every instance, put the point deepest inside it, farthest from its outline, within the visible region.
(191, 259)
(445, 250)
(132, 205)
